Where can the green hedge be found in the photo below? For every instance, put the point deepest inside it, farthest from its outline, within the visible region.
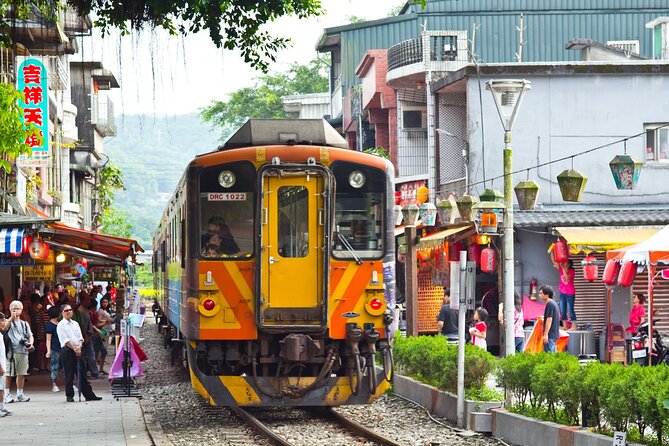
(430, 359)
(609, 396)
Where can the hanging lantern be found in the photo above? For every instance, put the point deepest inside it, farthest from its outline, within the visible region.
(627, 273)
(410, 214)
(398, 215)
(27, 241)
(38, 249)
(474, 253)
(465, 204)
(560, 251)
(398, 197)
(428, 214)
(571, 184)
(590, 268)
(625, 170)
(445, 211)
(526, 194)
(488, 260)
(610, 275)
(422, 194)
(491, 195)
(489, 216)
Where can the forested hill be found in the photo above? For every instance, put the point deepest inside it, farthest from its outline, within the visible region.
(153, 151)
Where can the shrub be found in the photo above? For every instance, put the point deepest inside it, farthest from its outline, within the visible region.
(515, 373)
(432, 360)
(547, 382)
(615, 401)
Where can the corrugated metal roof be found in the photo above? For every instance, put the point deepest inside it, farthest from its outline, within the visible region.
(591, 217)
(549, 25)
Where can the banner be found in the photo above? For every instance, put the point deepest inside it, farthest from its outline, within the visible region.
(32, 82)
(38, 273)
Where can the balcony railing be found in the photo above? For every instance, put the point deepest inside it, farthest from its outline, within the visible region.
(102, 115)
(412, 152)
(59, 76)
(445, 50)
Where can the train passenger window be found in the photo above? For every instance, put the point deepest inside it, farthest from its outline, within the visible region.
(226, 212)
(359, 212)
(293, 218)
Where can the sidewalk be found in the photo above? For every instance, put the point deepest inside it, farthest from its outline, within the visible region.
(48, 420)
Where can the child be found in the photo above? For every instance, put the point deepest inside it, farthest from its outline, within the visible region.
(478, 331)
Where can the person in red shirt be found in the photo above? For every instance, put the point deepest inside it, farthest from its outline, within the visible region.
(638, 313)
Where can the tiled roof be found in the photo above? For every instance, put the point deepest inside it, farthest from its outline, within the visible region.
(591, 217)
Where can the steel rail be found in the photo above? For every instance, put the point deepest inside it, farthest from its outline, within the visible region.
(358, 429)
(259, 427)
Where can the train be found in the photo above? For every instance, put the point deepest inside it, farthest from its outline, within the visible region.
(274, 267)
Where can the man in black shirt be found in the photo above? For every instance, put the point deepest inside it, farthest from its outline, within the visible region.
(447, 320)
(551, 319)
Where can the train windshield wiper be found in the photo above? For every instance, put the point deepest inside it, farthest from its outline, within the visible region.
(349, 248)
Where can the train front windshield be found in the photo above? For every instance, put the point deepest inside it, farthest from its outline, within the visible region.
(359, 211)
(226, 211)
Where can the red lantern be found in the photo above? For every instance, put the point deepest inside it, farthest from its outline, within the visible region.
(474, 253)
(560, 251)
(590, 269)
(398, 197)
(38, 249)
(610, 275)
(627, 273)
(488, 260)
(454, 251)
(27, 241)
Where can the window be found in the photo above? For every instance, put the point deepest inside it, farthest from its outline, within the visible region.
(657, 142)
(412, 119)
(293, 220)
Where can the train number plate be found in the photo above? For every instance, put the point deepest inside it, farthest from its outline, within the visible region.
(636, 354)
(226, 196)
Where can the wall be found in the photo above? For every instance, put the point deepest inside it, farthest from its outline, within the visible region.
(565, 114)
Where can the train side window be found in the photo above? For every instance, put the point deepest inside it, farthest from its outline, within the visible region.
(293, 218)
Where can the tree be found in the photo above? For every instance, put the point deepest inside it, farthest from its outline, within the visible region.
(264, 99)
(232, 24)
(115, 222)
(12, 131)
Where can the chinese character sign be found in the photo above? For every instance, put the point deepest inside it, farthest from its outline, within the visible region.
(32, 82)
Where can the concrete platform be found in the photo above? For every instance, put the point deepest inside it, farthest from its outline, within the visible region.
(47, 419)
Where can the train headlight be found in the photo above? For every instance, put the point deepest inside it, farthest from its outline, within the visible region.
(356, 179)
(226, 179)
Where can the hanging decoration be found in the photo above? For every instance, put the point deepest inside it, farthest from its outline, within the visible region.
(626, 274)
(410, 214)
(625, 170)
(491, 195)
(590, 268)
(489, 216)
(454, 249)
(610, 275)
(38, 249)
(560, 251)
(398, 215)
(465, 204)
(527, 193)
(428, 214)
(488, 260)
(474, 253)
(422, 194)
(441, 274)
(402, 253)
(445, 211)
(571, 183)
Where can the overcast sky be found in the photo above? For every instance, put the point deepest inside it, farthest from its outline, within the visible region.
(175, 75)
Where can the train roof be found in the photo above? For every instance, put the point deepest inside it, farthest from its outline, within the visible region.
(265, 132)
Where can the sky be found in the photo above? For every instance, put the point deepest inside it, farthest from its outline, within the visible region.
(162, 74)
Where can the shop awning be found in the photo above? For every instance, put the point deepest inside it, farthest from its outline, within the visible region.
(87, 243)
(11, 240)
(589, 239)
(399, 230)
(455, 232)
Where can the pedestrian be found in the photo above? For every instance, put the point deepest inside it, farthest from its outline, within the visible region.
(53, 351)
(82, 317)
(638, 312)
(21, 338)
(447, 320)
(551, 319)
(3, 366)
(480, 330)
(104, 326)
(567, 292)
(71, 342)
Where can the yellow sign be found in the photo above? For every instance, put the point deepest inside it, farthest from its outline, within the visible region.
(37, 273)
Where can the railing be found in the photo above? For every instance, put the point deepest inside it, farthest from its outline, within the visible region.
(449, 47)
(412, 153)
(7, 66)
(59, 77)
(405, 53)
(102, 115)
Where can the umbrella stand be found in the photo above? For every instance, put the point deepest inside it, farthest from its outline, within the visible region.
(125, 387)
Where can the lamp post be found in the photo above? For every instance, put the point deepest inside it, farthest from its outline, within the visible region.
(508, 94)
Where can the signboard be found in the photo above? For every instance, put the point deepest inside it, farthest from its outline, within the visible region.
(619, 438)
(102, 273)
(38, 273)
(24, 260)
(32, 82)
(408, 191)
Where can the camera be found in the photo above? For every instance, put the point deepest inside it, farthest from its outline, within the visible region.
(24, 341)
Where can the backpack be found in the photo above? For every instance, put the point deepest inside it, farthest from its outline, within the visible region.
(7, 341)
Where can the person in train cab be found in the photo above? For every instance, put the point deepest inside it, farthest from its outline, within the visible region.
(212, 246)
(227, 244)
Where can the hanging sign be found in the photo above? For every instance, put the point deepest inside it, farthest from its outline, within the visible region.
(32, 82)
(38, 273)
(24, 260)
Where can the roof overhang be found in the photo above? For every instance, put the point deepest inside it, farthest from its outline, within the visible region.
(589, 239)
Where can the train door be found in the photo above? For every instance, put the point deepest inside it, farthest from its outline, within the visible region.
(293, 239)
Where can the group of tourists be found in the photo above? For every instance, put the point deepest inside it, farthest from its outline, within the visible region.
(56, 332)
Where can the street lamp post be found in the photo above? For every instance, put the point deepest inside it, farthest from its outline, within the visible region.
(508, 94)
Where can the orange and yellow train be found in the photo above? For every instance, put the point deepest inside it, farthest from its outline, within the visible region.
(274, 261)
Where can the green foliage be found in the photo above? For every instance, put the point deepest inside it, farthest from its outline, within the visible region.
(378, 151)
(144, 276)
(12, 10)
(431, 360)
(544, 383)
(115, 222)
(615, 401)
(12, 132)
(110, 180)
(232, 24)
(515, 373)
(263, 101)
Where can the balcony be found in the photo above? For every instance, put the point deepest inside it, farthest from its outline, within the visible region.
(434, 51)
(102, 115)
(59, 76)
